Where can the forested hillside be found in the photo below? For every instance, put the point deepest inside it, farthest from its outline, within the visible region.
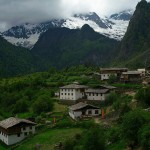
(134, 50)
(61, 47)
(15, 60)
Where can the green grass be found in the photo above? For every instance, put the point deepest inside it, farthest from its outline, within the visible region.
(3, 146)
(25, 115)
(49, 138)
(59, 107)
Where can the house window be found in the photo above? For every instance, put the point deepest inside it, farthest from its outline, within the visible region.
(72, 93)
(61, 93)
(31, 128)
(97, 94)
(101, 94)
(93, 94)
(65, 93)
(89, 112)
(25, 133)
(68, 93)
(89, 94)
(96, 111)
(18, 135)
(24, 128)
(83, 112)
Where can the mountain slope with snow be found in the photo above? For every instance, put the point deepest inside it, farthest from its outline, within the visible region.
(27, 35)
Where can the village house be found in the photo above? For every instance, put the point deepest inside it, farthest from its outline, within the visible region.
(97, 94)
(14, 130)
(130, 76)
(148, 71)
(107, 72)
(82, 110)
(72, 92)
(142, 72)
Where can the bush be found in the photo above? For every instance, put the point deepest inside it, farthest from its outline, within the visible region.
(95, 139)
(114, 134)
(143, 95)
(43, 104)
(132, 122)
(144, 136)
(20, 107)
(111, 98)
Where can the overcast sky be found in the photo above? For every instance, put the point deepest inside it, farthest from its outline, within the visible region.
(14, 12)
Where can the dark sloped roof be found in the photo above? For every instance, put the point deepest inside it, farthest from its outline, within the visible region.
(108, 87)
(117, 69)
(10, 122)
(74, 86)
(131, 72)
(81, 105)
(101, 91)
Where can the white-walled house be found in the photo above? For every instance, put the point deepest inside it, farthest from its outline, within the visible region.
(72, 92)
(142, 71)
(14, 130)
(107, 72)
(97, 94)
(81, 110)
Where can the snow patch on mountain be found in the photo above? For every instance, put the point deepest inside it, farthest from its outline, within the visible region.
(117, 30)
(27, 35)
(23, 42)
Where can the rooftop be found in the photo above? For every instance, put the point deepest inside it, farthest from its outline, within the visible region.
(131, 72)
(111, 69)
(108, 87)
(74, 86)
(80, 106)
(10, 122)
(101, 91)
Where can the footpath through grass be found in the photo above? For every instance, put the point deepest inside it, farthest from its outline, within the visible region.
(49, 138)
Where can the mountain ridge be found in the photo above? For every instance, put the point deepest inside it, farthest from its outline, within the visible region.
(62, 47)
(134, 49)
(27, 35)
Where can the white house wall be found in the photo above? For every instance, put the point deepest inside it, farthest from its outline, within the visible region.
(70, 94)
(107, 76)
(78, 114)
(4, 137)
(96, 96)
(12, 139)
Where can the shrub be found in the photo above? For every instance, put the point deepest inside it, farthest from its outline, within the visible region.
(144, 136)
(143, 95)
(42, 104)
(95, 139)
(132, 122)
(114, 134)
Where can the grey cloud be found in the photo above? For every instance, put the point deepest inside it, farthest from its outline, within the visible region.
(13, 12)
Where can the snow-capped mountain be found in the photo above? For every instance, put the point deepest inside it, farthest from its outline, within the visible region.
(26, 35)
(124, 15)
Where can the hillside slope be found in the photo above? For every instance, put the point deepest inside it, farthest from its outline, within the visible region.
(135, 46)
(61, 47)
(14, 60)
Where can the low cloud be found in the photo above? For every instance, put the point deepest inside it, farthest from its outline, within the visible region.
(15, 12)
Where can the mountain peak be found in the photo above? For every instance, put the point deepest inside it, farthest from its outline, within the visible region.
(142, 4)
(86, 27)
(123, 15)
